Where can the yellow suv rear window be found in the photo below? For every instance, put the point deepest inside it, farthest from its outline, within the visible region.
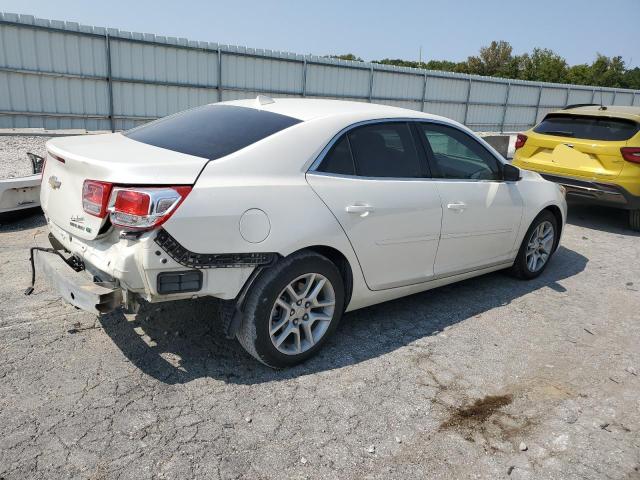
(587, 127)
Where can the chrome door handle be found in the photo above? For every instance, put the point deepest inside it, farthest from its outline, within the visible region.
(362, 210)
(457, 206)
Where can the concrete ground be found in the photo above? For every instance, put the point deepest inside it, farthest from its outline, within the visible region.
(489, 378)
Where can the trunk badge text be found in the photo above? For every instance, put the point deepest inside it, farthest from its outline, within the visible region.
(54, 183)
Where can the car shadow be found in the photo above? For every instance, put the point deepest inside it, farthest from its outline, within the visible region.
(178, 342)
(605, 219)
(22, 220)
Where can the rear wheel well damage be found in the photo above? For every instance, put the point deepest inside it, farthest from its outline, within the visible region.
(231, 311)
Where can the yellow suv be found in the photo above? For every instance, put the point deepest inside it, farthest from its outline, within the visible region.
(593, 150)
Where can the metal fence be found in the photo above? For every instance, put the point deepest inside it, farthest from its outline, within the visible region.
(60, 75)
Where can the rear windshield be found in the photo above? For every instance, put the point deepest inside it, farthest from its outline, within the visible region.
(211, 131)
(592, 128)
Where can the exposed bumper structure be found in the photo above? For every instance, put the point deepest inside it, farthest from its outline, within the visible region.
(76, 287)
(596, 192)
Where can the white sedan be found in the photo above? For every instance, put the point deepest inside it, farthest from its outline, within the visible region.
(291, 211)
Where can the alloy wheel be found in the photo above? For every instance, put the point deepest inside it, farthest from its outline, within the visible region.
(539, 246)
(302, 313)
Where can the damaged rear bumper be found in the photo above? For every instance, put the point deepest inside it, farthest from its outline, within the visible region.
(76, 287)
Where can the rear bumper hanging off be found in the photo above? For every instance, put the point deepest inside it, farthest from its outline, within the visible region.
(75, 287)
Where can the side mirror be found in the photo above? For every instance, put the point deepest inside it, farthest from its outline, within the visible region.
(511, 173)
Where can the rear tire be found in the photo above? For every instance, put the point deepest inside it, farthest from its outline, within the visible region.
(634, 220)
(535, 252)
(280, 307)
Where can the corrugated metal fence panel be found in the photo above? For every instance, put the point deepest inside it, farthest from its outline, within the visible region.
(397, 85)
(261, 74)
(455, 111)
(523, 95)
(489, 92)
(156, 63)
(333, 81)
(48, 51)
(623, 98)
(408, 104)
(518, 118)
(450, 89)
(581, 96)
(555, 97)
(56, 75)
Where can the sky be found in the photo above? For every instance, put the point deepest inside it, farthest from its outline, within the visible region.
(450, 30)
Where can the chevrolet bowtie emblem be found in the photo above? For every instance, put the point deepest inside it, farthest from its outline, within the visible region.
(54, 182)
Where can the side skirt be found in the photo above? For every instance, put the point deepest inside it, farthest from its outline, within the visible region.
(374, 297)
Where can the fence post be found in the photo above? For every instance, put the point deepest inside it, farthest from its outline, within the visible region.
(424, 92)
(566, 99)
(304, 77)
(370, 83)
(593, 95)
(466, 103)
(109, 80)
(613, 100)
(504, 109)
(535, 120)
(219, 74)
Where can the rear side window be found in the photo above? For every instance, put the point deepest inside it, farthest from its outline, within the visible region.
(339, 159)
(211, 131)
(385, 150)
(591, 128)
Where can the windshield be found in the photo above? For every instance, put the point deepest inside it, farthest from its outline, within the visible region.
(211, 131)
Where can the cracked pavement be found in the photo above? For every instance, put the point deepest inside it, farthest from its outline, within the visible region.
(489, 378)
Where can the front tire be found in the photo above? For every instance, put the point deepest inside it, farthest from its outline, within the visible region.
(292, 309)
(537, 247)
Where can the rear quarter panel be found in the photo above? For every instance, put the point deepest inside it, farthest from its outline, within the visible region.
(269, 176)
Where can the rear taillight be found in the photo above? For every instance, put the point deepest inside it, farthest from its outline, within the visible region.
(631, 154)
(143, 208)
(521, 139)
(95, 196)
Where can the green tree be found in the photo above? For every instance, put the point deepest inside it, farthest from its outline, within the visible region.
(346, 56)
(579, 75)
(494, 60)
(444, 65)
(631, 78)
(543, 65)
(608, 71)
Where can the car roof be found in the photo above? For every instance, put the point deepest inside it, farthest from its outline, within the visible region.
(311, 108)
(617, 111)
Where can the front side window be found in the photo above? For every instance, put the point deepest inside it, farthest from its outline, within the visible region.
(211, 131)
(456, 155)
(385, 150)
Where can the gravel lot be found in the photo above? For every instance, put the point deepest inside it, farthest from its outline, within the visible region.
(489, 378)
(13, 154)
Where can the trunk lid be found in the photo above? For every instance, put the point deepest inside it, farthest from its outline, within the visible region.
(573, 157)
(112, 158)
(579, 145)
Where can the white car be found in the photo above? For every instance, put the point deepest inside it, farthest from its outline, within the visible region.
(291, 211)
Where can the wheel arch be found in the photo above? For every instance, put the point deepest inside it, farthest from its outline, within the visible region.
(557, 213)
(341, 262)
